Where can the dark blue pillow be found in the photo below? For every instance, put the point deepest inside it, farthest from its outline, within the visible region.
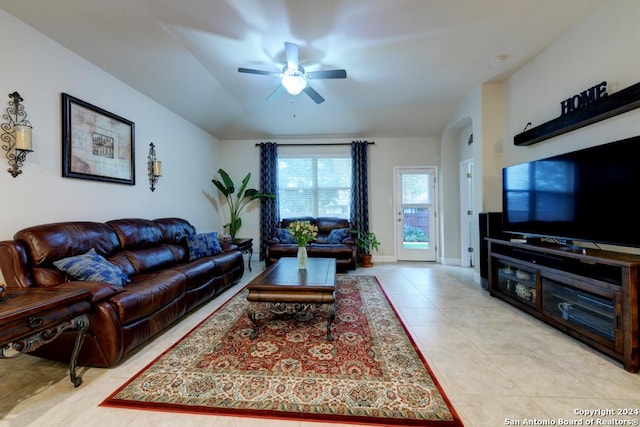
(92, 266)
(204, 244)
(337, 235)
(285, 236)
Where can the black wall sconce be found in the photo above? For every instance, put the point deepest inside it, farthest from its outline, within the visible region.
(154, 167)
(16, 134)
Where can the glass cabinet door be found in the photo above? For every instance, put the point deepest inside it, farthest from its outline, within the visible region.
(593, 313)
(518, 283)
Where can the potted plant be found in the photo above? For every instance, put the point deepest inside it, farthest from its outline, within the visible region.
(366, 242)
(238, 202)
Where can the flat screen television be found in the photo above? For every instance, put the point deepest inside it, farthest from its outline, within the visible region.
(586, 195)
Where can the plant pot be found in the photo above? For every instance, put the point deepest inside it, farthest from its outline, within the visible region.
(365, 260)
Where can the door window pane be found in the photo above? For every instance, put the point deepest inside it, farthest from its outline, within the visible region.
(415, 225)
(415, 189)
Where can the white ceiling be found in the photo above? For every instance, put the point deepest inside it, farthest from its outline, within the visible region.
(408, 62)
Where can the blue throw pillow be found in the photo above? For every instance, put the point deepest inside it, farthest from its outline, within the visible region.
(285, 236)
(337, 235)
(204, 244)
(92, 266)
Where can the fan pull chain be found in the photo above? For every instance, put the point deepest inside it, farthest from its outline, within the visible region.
(293, 106)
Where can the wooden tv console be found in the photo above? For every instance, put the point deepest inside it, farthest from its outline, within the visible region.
(589, 294)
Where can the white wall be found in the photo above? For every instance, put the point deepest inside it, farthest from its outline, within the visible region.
(40, 69)
(602, 48)
(489, 152)
(242, 156)
(465, 150)
(383, 157)
(466, 117)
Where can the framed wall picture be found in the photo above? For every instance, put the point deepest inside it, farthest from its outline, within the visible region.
(96, 144)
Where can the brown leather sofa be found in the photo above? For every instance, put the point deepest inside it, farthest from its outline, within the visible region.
(344, 249)
(164, 285)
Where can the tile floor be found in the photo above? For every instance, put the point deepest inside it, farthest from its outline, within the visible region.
(497, 365)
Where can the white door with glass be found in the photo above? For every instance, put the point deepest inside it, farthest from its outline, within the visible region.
(416, 214)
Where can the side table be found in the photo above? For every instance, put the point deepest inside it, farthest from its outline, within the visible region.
(245, 245)
(32, 317)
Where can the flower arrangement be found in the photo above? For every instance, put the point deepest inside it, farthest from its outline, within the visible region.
(303, 232)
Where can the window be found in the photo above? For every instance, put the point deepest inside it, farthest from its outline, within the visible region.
(314, 186)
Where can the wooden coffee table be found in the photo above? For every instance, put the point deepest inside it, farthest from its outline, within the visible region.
(283, 289)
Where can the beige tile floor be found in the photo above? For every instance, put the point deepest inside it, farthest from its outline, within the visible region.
(497, 365)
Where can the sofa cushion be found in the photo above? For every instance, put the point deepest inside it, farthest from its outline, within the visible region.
(337, 235)
(92, 266)
(203, 244)
(326, 224)
(285, 236)
(50, 242)
(227, 262)
(284, 222)
(148, 293)
(198, 273)
(135, 233)
(174, 230)
(143, 260)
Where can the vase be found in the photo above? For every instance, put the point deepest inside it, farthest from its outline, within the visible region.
(302, 257)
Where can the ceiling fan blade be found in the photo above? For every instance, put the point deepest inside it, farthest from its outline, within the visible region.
(292, 51)
(328, 74)
(261, 72)
(313, 95)
(275, 93)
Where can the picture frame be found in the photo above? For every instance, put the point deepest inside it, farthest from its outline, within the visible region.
(96, 144)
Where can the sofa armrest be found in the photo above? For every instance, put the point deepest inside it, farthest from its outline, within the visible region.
(15, 265)
(99, 290)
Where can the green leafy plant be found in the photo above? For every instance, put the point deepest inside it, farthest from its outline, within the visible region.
(366, 241)
(237, 201)
(414, 234)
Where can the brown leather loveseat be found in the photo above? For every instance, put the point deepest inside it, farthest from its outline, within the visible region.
(164, 279)
(334, 241)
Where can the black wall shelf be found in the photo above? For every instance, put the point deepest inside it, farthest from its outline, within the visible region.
(620, 102)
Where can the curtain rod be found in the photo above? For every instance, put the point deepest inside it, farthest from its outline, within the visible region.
(309, 145)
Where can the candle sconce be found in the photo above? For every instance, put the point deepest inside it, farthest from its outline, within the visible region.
(154, 167)
(16, 134)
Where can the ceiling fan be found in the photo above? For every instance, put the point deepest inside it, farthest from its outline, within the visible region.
(294, 78)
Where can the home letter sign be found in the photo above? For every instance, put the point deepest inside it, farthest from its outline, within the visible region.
(584, 98)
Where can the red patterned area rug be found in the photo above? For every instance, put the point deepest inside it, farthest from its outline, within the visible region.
(370, 374)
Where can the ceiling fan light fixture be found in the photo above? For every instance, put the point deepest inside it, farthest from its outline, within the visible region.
(294, 78)
(294, 81)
